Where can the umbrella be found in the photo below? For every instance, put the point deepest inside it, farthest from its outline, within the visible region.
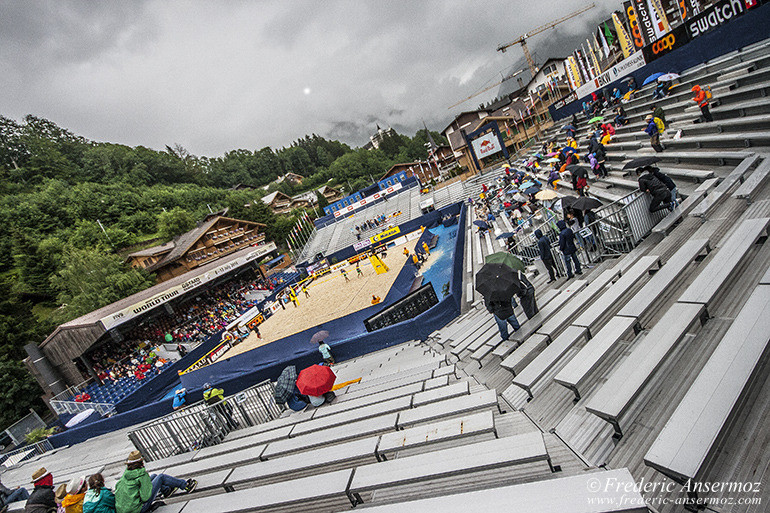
(568, 149)
(552, 154)
(80, 417)
(481, 224)
(597, 119)
(505, 258)
(532, 190)
(546, 195)
(319, 336)
(505, 235)
(551, 161)
(668, 77)
(169, 338)
(585, 203)
(284, 385)
(520, 198)
(316, 380)
(641, 162)
(652, 78)
(497, 282)
(568, 126)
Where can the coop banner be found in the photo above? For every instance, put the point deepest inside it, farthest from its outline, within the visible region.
(167, 295)
(671, 41)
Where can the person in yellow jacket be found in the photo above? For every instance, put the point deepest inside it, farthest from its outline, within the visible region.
(213, 395)
(76, 492)
(426, 248)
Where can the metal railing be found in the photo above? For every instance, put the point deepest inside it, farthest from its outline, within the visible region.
(67, 407)
(201, 425)
(11, 458)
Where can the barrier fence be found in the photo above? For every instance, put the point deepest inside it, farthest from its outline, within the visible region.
(11, 458)
(201, 425)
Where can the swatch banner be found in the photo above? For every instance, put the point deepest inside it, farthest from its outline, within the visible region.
(626, 45)
(671, 41)
(689, 8)
(717, 15)
(636, 30)
(646, 20)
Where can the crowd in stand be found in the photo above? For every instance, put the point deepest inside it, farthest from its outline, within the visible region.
(371, 224)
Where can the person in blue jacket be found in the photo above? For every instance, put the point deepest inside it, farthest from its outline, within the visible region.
(568, 248)
(544, 247)
(179, 398)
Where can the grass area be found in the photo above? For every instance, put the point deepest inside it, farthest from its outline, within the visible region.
(43, 311)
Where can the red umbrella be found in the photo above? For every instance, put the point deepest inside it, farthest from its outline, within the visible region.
(315, 380)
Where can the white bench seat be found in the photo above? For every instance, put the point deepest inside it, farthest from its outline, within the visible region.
(441, 393)
(468, 403)
(667, 223)
(765, 280)
(296, 491)
(648, 295)
(440, 381)
(613, 399)
(592, 316)
(225, 460)
(714, 275)
(358, 451)
(345, 417)
(242, 443)
(754, 181)
(617, 493)
(338, 434)
(735, 176)
(281, 422)
(366, 400)
(525, 353)
(533, 325)
(690, 434)
(442, 431)
(543, 362)
(513, 450)
(574, 374)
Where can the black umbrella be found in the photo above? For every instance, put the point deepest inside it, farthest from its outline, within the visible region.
(481, 224)
(533, 190)
(578, 170)
(319, 336)
(585, 203)
(284, 385)
(641, 162)
(497, 282)
(568, 127)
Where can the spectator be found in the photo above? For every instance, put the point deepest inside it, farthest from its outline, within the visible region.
(503, 313)
(580, 180)
(99, 498)
(620, 116)
(42, 498)
(180, 348)
(669, 183)
(8, 495)
(568, 249)
(657, 112)
(702, 99)
(553, 177)
(527, 295)
(544, 247)
(326, 352)
(661, 197)
(137, 490)
(76, 491)
(179, 398)
(654, 130)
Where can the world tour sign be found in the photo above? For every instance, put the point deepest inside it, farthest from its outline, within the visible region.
(137, 309)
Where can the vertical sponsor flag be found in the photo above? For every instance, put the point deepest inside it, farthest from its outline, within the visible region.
(659, 19)
(634, 26)
(608, 35)
(626, 45)
(568, 72)
(573, 65)
(689, 8)
(605, 46)
(594, 61)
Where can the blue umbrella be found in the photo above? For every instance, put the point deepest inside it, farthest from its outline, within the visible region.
(481, 224)
(532, 190)
(505, 235)
(568, 127)
(652, 78)
(568, 149)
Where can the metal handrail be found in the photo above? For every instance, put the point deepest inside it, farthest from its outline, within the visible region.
(16, 456)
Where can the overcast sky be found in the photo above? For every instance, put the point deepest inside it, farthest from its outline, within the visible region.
(219, 75)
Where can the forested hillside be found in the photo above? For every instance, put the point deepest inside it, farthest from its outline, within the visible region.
(70, 208)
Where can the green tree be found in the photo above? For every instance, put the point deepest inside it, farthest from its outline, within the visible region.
(174, 222)
(322, 201)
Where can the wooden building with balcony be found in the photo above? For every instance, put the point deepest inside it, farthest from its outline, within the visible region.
(215, 237)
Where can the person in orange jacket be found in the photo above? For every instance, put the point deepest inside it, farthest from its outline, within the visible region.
(703, 102)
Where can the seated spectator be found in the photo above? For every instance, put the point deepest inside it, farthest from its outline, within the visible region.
(137, 490)
(98, 498)
(8, 495)
(42, 498)
(76, 492)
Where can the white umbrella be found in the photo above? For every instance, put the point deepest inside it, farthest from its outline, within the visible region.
(80, 417)
(668, 77)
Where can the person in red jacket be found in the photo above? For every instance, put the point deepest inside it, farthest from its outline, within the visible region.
(703, 102)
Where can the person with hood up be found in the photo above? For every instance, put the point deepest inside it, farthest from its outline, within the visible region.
(702, 99)
(99, 498)
(136, 490)
(649, 183)
(42, 498)
(568, 248)
(544, 247)
(654, 130)
(580, 180)
(179, 398)
(76, 492)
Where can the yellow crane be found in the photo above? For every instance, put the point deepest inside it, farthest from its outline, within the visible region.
(522, 40)
(512, 75)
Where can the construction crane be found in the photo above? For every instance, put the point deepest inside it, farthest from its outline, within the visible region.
(508, 77)
(522, 40)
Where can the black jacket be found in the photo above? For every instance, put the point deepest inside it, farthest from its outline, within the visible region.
(502, 309)
(649, 183)
(566, 239)
(41, 500)
(663, 177)
(544, 246)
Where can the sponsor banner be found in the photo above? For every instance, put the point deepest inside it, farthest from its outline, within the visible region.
(717, 15)
(141, 307)
(646, 21)
(633, 23)
(487, 145)
(618, 71)
(362, 244)
(626, 44)
(369, 199)
(571, 97)
(384, 235)
(659, 19)
(671, 41)
(256, 321)
(689, 8)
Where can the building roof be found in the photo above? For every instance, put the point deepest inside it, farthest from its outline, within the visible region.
(462, 114)
(322, 189)
(268, 200)
(154, 250)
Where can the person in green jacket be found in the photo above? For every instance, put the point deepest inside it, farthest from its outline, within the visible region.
(99, 498)
(137, 490)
